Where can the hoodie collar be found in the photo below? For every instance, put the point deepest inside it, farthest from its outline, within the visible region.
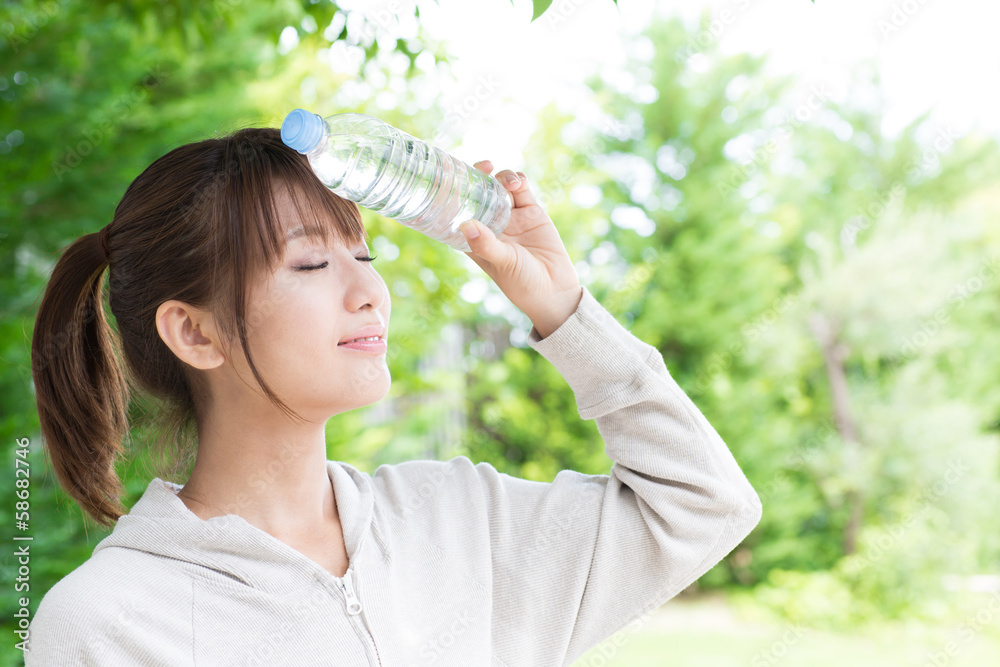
(161, 524)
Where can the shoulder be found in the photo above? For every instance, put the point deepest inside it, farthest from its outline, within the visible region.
(460, 483)
(439, 489)
(457, 476)
(65, 628)
(116, 590)
(111, 575)
(88, 584)
(411, 484)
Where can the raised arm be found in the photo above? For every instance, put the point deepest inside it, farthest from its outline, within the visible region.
(675, 502)
(577, 559)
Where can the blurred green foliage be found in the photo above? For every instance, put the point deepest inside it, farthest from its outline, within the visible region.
(774, 242)
(767, 239)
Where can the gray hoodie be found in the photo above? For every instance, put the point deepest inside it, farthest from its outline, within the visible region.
(450, 562)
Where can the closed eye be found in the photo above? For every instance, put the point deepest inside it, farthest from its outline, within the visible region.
(312, 268)
(325, 264)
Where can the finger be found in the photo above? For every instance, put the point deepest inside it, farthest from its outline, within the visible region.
(517, 185)
(484, 243)
(482, 263)
(483, 165)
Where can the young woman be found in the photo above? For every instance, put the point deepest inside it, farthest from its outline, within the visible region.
(246, 304)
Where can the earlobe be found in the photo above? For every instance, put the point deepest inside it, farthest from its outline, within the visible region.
(190, 334)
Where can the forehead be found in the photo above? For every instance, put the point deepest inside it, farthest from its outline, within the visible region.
(299, 232)
(292, 224)
(303, 220)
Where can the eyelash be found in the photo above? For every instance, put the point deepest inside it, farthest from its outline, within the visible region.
(325, 264)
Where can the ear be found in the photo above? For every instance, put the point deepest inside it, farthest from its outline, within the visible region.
(191, 334)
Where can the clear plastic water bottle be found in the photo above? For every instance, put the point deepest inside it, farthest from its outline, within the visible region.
(375, 165)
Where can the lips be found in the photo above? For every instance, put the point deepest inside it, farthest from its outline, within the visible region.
(370, 331)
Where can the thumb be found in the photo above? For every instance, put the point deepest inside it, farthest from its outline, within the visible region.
(484, 243)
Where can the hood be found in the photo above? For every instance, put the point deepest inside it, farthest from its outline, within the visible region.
(161, 524)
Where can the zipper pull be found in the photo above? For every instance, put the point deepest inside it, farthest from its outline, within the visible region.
(353, 605)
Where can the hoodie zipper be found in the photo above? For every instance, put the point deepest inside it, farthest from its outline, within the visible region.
(354, 611)
(350, 599)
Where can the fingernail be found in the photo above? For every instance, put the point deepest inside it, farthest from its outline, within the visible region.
(470, 230)
(512, 179)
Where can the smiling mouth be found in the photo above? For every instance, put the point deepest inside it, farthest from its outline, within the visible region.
(370, 339)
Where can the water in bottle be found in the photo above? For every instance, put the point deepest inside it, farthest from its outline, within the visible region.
(375, 165)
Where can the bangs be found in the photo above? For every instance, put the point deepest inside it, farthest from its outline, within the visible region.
(261, 169)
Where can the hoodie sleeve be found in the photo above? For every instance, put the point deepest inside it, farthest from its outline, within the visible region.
(577, 559)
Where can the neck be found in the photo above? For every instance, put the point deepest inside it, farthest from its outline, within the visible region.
(274, 478)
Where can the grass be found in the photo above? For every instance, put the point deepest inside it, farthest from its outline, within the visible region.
(707, 632)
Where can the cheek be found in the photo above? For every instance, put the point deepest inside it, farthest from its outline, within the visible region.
(306, 316)
(295, 313)
(386, 297)
(387, 303)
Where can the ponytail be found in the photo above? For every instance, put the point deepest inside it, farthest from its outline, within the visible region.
(80, 389)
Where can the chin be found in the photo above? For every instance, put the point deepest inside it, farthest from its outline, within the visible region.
(374, 386)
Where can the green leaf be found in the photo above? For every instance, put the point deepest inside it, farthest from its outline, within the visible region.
(540, 7)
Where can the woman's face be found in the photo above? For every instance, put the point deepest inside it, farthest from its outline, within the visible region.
(318, 297)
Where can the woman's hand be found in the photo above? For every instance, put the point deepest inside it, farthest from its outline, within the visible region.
(528, 261)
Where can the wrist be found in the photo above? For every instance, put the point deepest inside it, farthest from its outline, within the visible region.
(558, 312)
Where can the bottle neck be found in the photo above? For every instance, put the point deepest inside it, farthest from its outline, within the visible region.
(320, 145)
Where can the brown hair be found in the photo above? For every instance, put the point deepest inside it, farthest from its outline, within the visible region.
(198, 225)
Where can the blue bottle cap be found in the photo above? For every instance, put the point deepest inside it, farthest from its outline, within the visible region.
(302, 130)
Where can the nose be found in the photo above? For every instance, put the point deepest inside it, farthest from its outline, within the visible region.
(366, 289)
